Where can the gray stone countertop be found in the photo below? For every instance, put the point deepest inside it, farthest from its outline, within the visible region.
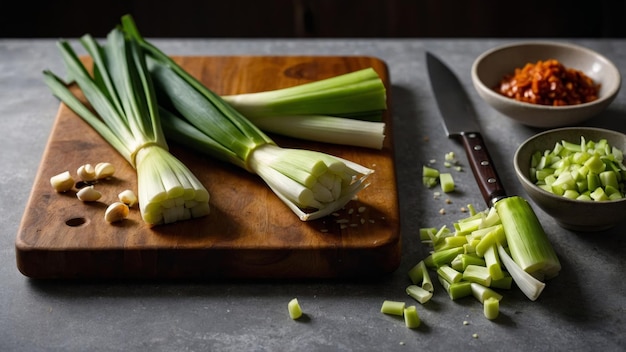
(583, 309)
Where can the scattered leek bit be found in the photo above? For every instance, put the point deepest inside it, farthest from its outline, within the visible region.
(295, 311)
(88, 194)
(62, 182)
(418, 293)
(447, 182)
(430, 176)
(491, 308)
(411, 318)
(590, 170)
(393, 307)
(312, 184)
(122, 95)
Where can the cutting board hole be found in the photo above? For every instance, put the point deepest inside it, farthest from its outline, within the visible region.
(75, 222)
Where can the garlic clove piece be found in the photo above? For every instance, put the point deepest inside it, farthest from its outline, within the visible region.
(88, 194)
(115, 212)
(104, 170)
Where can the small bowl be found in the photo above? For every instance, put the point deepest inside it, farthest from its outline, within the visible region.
(571, 214)
(490, 67)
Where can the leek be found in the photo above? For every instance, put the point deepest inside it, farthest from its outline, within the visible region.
(345, 109)
(529, 245)
(312, 184)
(122, 94)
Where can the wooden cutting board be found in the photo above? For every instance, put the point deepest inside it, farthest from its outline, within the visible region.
(250, 233)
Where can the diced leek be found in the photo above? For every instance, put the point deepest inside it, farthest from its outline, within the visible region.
(493, 231)
(491, 308)
(418, 274)
(310, 183)
(573, 171)
(449, 274)
(447, 182)
(456, 290)
(492, 262)
(411, 318)
(122, 95)
(418, 293)
(393, 307)
(477, 274)
(295, 311)
(482, 292)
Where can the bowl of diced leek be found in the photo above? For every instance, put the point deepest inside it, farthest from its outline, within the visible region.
(576, 175)
(546, 84)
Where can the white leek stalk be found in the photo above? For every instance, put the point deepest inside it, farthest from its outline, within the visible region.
(122, 94)
(310, 183)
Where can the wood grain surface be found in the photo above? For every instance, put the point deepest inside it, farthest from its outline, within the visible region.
(250, 233)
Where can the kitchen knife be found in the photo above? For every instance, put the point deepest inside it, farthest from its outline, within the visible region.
(460, 122)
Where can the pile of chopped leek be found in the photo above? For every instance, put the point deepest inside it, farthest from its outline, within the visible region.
(122, 95)
(312, 184)
(485, 252)
(589, 170)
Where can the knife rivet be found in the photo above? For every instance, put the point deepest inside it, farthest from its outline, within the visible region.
(484, 163)
(472, 135)
(491, 180)
(478, 147)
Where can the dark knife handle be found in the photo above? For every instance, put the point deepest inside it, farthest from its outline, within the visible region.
(480, 161)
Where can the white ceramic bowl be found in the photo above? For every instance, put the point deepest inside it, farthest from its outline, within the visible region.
(490, 67)
(571, 214)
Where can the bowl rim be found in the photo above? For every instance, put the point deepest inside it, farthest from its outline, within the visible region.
(523, 175)
(526, 105)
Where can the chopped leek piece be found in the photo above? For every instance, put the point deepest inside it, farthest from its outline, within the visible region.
(505, 282)
(393, 307)
(449, 274)
(529, 245)
(477, 274)
(482, 292)
(530, 286)
(310, 183)
(411, 318)
(456, 290)
(447, 182)
(419, 294)
(492, 262)
(419, 274)
(491, 308)
(122, 94)
(295, 311)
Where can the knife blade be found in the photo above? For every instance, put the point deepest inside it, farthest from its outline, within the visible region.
(461, 123)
